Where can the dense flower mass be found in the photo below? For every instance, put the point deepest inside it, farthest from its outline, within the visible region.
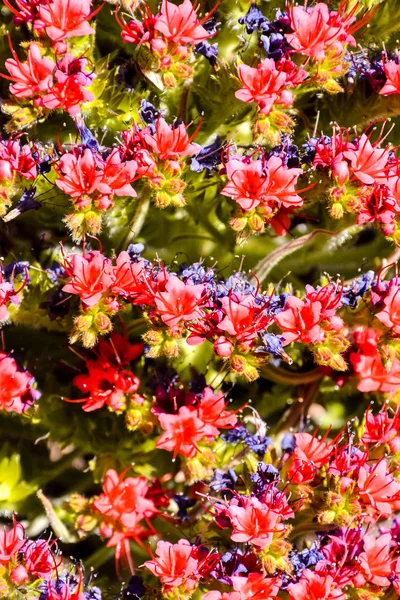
(199, 300)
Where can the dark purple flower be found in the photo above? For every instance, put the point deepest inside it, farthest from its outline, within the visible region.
(209, 51)
(208, 158)
(353, 293)
(253, 19)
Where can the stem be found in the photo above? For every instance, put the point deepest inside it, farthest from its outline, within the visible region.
(57, 525)
(138, 218)
(265, 266)
(300, 408)
(98, 558)
(278, 375)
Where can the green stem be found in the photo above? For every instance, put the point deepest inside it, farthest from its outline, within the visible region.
(98, 558)
(138, 218)
(265, 266)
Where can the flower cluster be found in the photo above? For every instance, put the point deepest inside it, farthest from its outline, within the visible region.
(168, 39)
(39, 566)
(330, 490)
(230, 429)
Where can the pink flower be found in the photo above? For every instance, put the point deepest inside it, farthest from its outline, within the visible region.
(16, 392)
(32, 77)
(15, 157)
(124, 500)
(311, 585)
(300, 320)
(378, 206)
(180, 24)
(117, 176)
(62, 19)
(392, 84)
(373, 375)
(390, 315)
(215, 595)
(248, 184)
(171, 143)
(380, 428)
(68, 92)
(368, 163)
(310, 448)
(316, 29)
(179, 302)
(182, 431)
(129, 277)
(38, 559)
(212, 412)
(378, 487)
(375, 560)
(90, 276)
(264, 85)
(253, 522)
(256, 586)
(270, 185)
(11, 541)
(78, 174)
(175, 565)
(7, 295)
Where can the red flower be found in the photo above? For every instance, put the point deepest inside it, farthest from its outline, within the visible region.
(180, 24)
(243, 318)
(15, 157)
(175, 565)
(264, 85)
(107, 382)
(300, 320)
(106, 387)
(32, 77)
(378, 206)
(90, 276)
(373, 375)
(130, 280)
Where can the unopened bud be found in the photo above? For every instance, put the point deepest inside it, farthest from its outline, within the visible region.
(89, 338)
(102, 323)
(83, 322)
